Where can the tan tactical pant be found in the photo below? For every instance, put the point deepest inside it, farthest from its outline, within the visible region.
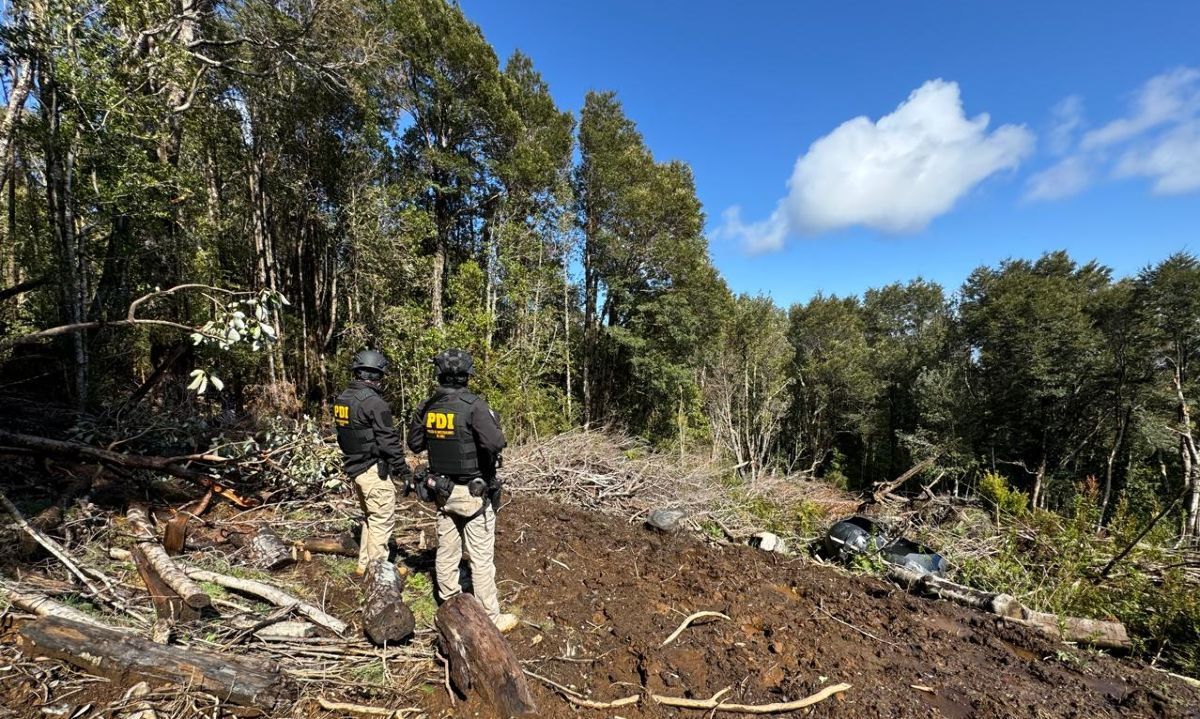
(479, 536)
(377, 496)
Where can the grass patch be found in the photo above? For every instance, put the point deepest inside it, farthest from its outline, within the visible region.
(418, 595)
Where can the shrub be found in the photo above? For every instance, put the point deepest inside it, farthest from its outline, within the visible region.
(995, 491)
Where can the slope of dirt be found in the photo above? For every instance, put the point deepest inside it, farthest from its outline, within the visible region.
(599, 596)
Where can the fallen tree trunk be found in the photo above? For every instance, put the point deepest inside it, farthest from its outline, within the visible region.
(1093, 632)
(43, 606)
(125, 658)
(274, 595)
(78, 452)
(160, 563)
(480, 659)
(386, 618)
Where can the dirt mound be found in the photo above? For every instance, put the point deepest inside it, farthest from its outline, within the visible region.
(599, 596)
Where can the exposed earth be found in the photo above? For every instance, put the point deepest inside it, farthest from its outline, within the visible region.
(598, 596)
(604, 594)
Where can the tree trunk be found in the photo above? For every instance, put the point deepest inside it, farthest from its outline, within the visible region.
(22, 81)
(126, 658)
(1122, 422)
(480, 659)
(386, 618)
(167, 602)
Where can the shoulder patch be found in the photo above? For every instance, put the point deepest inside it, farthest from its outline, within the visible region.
(469, 397)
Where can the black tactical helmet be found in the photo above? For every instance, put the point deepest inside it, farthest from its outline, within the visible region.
(454, 362)
(370, 359)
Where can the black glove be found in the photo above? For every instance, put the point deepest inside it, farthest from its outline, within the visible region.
(402, 477)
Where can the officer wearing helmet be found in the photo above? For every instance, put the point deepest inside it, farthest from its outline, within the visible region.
(372, 452)
(463, 438)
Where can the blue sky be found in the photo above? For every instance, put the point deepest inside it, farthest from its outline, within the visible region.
(1092, 139)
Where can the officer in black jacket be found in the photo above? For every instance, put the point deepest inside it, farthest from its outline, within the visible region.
(372, 452)
(464, 441)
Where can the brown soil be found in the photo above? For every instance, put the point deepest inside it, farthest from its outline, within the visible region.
(598, 595)
(604, 595)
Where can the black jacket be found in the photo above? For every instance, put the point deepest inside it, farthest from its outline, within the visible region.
(484, 427)
(374, 412)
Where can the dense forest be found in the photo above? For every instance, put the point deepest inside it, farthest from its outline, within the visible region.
(210, 205)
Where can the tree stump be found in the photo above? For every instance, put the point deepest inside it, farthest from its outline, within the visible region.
(127, 658)
(480, 658)
(386, 618)
(167, 602)
(161, 564)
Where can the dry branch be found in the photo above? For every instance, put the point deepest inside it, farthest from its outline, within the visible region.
(687, 622)
(55, 550)
(175, 466)
(777, 708)
(362, 709)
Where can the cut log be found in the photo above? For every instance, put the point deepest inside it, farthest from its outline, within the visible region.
(386, 618)
(1003, 605)
(1092, 632)
(343, 544)
(274, 595)
(127, 658)
(480, 659)
(43, 606)
(167, 602)
(161, 563)
(267, 551)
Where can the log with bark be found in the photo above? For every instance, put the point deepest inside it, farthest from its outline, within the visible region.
(1092, 632)
(386, 618)
(41, 605)
(168, 604)
(264, 549)
(344, 544)
(127, 658)
(274, 595)
(480, 659)
(161, 564)
(175, 466)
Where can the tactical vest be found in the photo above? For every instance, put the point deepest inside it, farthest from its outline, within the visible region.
(448, 435)
(353, 436)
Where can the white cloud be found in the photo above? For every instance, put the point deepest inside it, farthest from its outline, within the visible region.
(1066, 178)
(1164, 99)
(1159, 139)
(756, 237)
(1067, 116)
(896, 174)
(1171, 160)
